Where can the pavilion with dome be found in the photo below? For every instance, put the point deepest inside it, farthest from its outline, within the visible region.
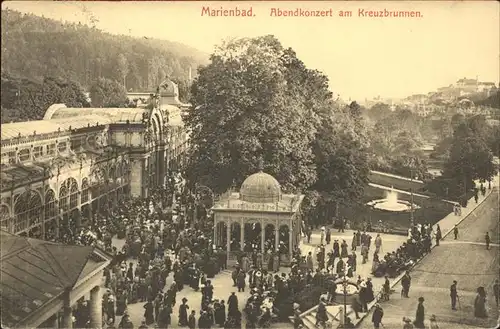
(258, 217)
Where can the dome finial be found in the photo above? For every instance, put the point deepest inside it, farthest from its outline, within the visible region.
(260, 164)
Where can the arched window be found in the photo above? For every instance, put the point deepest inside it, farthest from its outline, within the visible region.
(4, 217)
(85, 190)
(73, 198)
(63, 197)
(50, 204)
(28, 209)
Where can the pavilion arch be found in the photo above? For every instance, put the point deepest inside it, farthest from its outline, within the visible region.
(221, 235)
(252, 236)
(269, 237)
(27, 210)
(284, 239)
(235, 237)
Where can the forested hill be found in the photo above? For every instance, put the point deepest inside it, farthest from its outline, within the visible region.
(35, 47)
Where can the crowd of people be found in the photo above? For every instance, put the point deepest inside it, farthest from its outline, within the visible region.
(418, 244)
(158, 244)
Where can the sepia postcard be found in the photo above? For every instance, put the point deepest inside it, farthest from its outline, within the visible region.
(250, 164)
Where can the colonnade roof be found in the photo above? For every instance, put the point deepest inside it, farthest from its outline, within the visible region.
(113, 114)
(22, 173)
(34, 272)
(28, 128)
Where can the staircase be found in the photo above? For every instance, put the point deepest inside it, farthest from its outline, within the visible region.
(309, 316)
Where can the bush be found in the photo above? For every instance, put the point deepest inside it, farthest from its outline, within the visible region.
(397, 183)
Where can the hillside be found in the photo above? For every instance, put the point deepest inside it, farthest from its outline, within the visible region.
(35, 47)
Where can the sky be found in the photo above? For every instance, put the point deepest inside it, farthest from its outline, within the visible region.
(363, 57)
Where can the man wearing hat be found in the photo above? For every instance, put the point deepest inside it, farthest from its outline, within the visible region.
(453, 295)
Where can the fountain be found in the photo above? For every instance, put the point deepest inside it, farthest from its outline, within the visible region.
(391, 203)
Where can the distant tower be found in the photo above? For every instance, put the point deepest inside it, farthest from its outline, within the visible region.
(190, 75)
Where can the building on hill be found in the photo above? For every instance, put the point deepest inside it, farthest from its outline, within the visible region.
(57, 172)
(42, 281)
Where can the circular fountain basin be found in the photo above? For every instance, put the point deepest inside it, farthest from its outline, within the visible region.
(390, 205)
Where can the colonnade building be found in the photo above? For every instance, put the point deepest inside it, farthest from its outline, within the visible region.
(78, 160)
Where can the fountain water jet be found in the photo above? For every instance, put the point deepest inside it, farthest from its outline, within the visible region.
(391, 202)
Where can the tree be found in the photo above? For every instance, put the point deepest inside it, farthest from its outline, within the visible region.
(123, 69)
(341, 156)
(108, 93)
(247, 106)
(34, 47)
(24, 99)
(470, 157)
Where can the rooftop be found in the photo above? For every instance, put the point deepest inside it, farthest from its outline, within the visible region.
(34, 272)
(288, 203)
(59, 111)
(28, 128)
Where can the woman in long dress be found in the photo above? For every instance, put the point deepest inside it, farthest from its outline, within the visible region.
(480, 304)
(420, 315)
(276, 261)
(183, 313)
(149, 313)
(343, 249)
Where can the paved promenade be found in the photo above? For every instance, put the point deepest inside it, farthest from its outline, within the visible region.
(465, 260)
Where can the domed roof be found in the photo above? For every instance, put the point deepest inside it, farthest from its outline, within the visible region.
(260, 188)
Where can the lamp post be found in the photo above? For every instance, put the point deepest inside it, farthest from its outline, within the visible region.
(411, 164)
(344, 285)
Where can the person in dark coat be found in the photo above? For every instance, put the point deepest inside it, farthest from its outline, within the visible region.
(405, 283)
(453, 295)
(220, 314)
(149, 312)
(420, 315)
(369, 290)
(377, 316)
(183, 313)
(240, 281)
(321, 316)
(328, 237)
(336, 248)
(232, 305)
(340, 266)
(165, 317)
(130, 272)
(192, 320)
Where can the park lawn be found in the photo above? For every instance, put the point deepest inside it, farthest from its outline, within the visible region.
(396, 183)
(431, 211)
